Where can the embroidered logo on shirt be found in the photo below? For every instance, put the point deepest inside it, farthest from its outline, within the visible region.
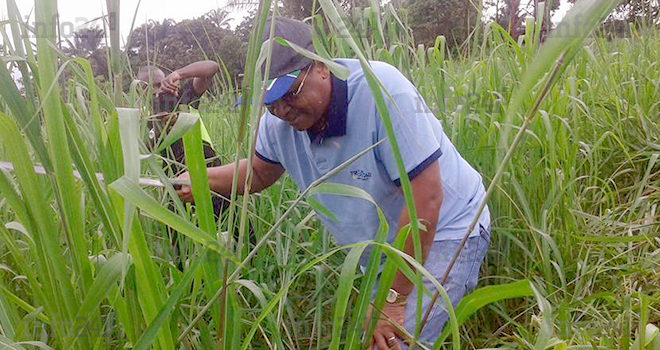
(360, 175)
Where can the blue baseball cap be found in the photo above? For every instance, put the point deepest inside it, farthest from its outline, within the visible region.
(286, 64)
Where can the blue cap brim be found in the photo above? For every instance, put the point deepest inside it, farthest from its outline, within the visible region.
(278, 88)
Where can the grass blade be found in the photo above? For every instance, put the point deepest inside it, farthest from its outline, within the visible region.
(134, 194)
(343, 294)
(481, 297)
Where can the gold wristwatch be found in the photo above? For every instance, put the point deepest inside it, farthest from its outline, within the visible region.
(394, 297)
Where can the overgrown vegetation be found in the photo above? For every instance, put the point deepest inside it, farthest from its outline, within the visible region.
(88, 264)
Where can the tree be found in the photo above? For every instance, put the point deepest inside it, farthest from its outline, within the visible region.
(454, 19)
(244, 29)
(85, 41)
(511, 18)
(88, 43)
(637, 11)
(219, 17)
(233, 54)
(646, 10)
(510, 14)
(550, 7)
(171, 45)
(634, 12)
(298, 9)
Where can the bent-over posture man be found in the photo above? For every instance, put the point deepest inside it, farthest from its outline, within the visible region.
(316, 121)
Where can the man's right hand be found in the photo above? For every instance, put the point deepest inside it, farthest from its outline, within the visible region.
(171, 83)
(220, 178)
(185, 192)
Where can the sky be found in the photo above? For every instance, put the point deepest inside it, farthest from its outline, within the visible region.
(77, 14)
(564, 6)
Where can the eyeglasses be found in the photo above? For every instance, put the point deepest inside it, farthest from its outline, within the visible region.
(289, 96)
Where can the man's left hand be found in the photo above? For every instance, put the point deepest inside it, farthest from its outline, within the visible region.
(386, 336)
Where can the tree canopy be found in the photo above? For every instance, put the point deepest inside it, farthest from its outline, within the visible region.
(167, 44)
(454, 19)
(171, 45)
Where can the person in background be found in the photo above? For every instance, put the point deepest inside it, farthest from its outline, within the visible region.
(180, 91)
(315, 122)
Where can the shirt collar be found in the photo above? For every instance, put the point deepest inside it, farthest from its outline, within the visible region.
(336, 115)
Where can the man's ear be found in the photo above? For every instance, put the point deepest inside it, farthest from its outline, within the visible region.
(322, 70)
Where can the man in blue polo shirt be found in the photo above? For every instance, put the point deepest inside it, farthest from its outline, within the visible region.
(316, 122)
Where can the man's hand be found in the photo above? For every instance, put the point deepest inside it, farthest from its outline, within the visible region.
(220, 178)
(185, 193)
(171, 83)
(386, 336)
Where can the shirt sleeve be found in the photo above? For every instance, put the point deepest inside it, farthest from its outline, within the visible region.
(264, 148)
(415, 135)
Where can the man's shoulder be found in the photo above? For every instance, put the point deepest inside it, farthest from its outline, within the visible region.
(274, 125)
(389, 75)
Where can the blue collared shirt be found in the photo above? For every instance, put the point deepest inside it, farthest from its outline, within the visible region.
(354, 124)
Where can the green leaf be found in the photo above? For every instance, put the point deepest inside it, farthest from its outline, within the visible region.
(6, 343)
(266, 312)
(66, 192)
(319, 208)
(82, 158)
(149, 336)
(620, 239)
(341, 190)
(196, 164)
(23, 113)
(343, 294)
(483, 296)
(44, 229)
(9, 318)
(184, 122)
(131, 192)
(110, 272)
(337, 69)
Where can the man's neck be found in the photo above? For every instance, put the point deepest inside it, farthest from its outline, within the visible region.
(318, 128)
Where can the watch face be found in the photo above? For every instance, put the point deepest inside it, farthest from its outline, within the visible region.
(391, 296)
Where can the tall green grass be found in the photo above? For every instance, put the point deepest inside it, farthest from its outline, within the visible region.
(89, 265)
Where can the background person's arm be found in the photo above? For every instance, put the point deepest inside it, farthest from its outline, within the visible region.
(201, 72)
(220, 178)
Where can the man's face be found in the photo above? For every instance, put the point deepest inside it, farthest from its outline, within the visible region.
(306, 102)
(157, 77)
(157, 80)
